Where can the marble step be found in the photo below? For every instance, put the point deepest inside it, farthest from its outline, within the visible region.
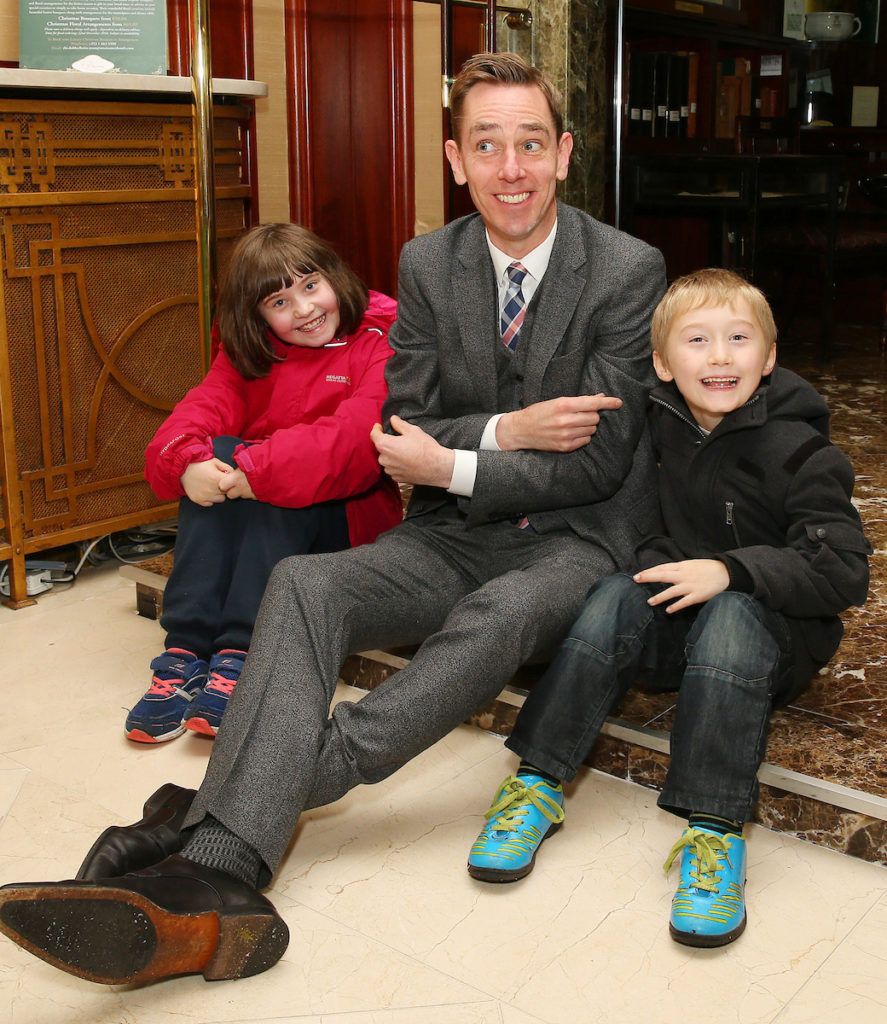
(825, 775)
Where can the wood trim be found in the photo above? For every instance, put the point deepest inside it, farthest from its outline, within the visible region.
(121, 108)
(121, 196)
(296, 45)
(249, 149)
(403, 193)
(178, 37)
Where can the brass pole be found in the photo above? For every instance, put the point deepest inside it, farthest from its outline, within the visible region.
(201, 93)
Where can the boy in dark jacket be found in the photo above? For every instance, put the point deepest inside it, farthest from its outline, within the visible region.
(736, 606)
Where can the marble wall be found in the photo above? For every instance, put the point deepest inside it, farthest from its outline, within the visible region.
(569, 45)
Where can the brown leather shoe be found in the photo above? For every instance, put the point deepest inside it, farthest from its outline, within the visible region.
(177, 917)
(123, 848)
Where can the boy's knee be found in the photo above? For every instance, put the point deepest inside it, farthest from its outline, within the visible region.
(613, 604)
(729, 634)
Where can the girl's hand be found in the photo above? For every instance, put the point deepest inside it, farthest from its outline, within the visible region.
(236, 485)
(693, 582)
(201, 481)
(411, 456)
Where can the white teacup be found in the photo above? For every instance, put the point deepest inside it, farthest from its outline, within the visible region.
(831, 26)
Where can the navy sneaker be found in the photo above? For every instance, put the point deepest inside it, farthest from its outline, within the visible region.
(205, 714)
(178, 678)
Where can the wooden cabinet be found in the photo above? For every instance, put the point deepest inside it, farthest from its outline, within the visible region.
(98, 306)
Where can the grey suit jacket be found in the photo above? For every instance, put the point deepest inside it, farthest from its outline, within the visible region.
(590, 333)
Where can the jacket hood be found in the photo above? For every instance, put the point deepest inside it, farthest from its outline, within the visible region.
(782, 395)
(381, 312)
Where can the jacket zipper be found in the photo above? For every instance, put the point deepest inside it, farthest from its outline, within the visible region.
(679, 414)
(731, 521)
(689, 422)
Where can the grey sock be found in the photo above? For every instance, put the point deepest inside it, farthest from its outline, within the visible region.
(214, 846)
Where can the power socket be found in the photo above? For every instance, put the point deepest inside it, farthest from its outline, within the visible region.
(38, 577)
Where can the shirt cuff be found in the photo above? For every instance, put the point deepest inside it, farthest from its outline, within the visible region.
(464, 473)
(488, 438)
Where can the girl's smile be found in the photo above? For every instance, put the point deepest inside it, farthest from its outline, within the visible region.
(306, 313)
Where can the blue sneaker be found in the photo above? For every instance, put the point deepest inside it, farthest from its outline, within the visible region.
(205, 714)
(525, 811)
(178, 678)
(708, 908)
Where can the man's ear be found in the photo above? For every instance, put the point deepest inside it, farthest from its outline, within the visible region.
(451, 149)
(771, 360)
(564, 149)
(661, 368)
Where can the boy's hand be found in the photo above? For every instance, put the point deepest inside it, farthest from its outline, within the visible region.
(693, 582)
(236, 485)
(558, 425)
(413, 457)
(201, 481)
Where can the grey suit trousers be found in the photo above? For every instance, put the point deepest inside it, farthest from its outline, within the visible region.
(483, 600)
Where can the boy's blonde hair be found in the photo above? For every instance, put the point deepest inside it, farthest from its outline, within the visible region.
(713, 286)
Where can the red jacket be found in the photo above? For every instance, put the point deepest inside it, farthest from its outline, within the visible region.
(309, 422)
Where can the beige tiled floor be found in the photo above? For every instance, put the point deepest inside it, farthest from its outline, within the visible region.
(387, 928)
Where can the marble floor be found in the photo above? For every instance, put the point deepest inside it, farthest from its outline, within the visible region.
(387, 927)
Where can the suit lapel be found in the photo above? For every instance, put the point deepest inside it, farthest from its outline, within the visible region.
(561, 288)
(476, 306)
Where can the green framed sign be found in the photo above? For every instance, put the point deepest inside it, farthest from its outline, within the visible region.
(93, 35)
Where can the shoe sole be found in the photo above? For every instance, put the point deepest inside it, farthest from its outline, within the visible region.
(117, 937)
(202, 727)
(140, 736)
(503, 874)
(707, 941)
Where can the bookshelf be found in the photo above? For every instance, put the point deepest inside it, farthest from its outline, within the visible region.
(686, 78)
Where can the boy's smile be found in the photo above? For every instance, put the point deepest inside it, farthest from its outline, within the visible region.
(716, 355)
(306, 313)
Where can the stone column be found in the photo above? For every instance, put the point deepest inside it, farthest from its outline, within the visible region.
(569, 45)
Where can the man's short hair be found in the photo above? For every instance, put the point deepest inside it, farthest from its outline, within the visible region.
(502, 69)
(713, 286)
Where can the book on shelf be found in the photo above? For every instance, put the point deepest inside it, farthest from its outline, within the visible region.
(677, 96)
(692, 93)
(661, 90)
(733, 94)
(662, 93)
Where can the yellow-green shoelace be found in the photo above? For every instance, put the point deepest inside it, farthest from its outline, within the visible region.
(706, 848)
(516, 794)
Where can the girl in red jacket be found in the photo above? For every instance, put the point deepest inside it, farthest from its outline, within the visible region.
(270, 455)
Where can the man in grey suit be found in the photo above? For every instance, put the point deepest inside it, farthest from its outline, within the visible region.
(533, 477)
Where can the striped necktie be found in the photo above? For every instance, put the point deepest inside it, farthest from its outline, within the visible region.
(515, 308)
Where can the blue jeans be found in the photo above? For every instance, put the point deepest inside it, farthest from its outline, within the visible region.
(729, 658)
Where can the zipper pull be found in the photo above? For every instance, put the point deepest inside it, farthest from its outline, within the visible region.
(729, 508)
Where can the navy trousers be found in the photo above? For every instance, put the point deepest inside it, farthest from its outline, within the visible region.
(224, 556)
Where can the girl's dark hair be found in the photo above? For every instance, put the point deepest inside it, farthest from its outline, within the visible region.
(266, 259)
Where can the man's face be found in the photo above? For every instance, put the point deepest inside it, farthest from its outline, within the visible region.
(510, 159)
(716, 355)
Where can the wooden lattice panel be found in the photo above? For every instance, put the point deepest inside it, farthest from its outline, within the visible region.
(99, 332)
